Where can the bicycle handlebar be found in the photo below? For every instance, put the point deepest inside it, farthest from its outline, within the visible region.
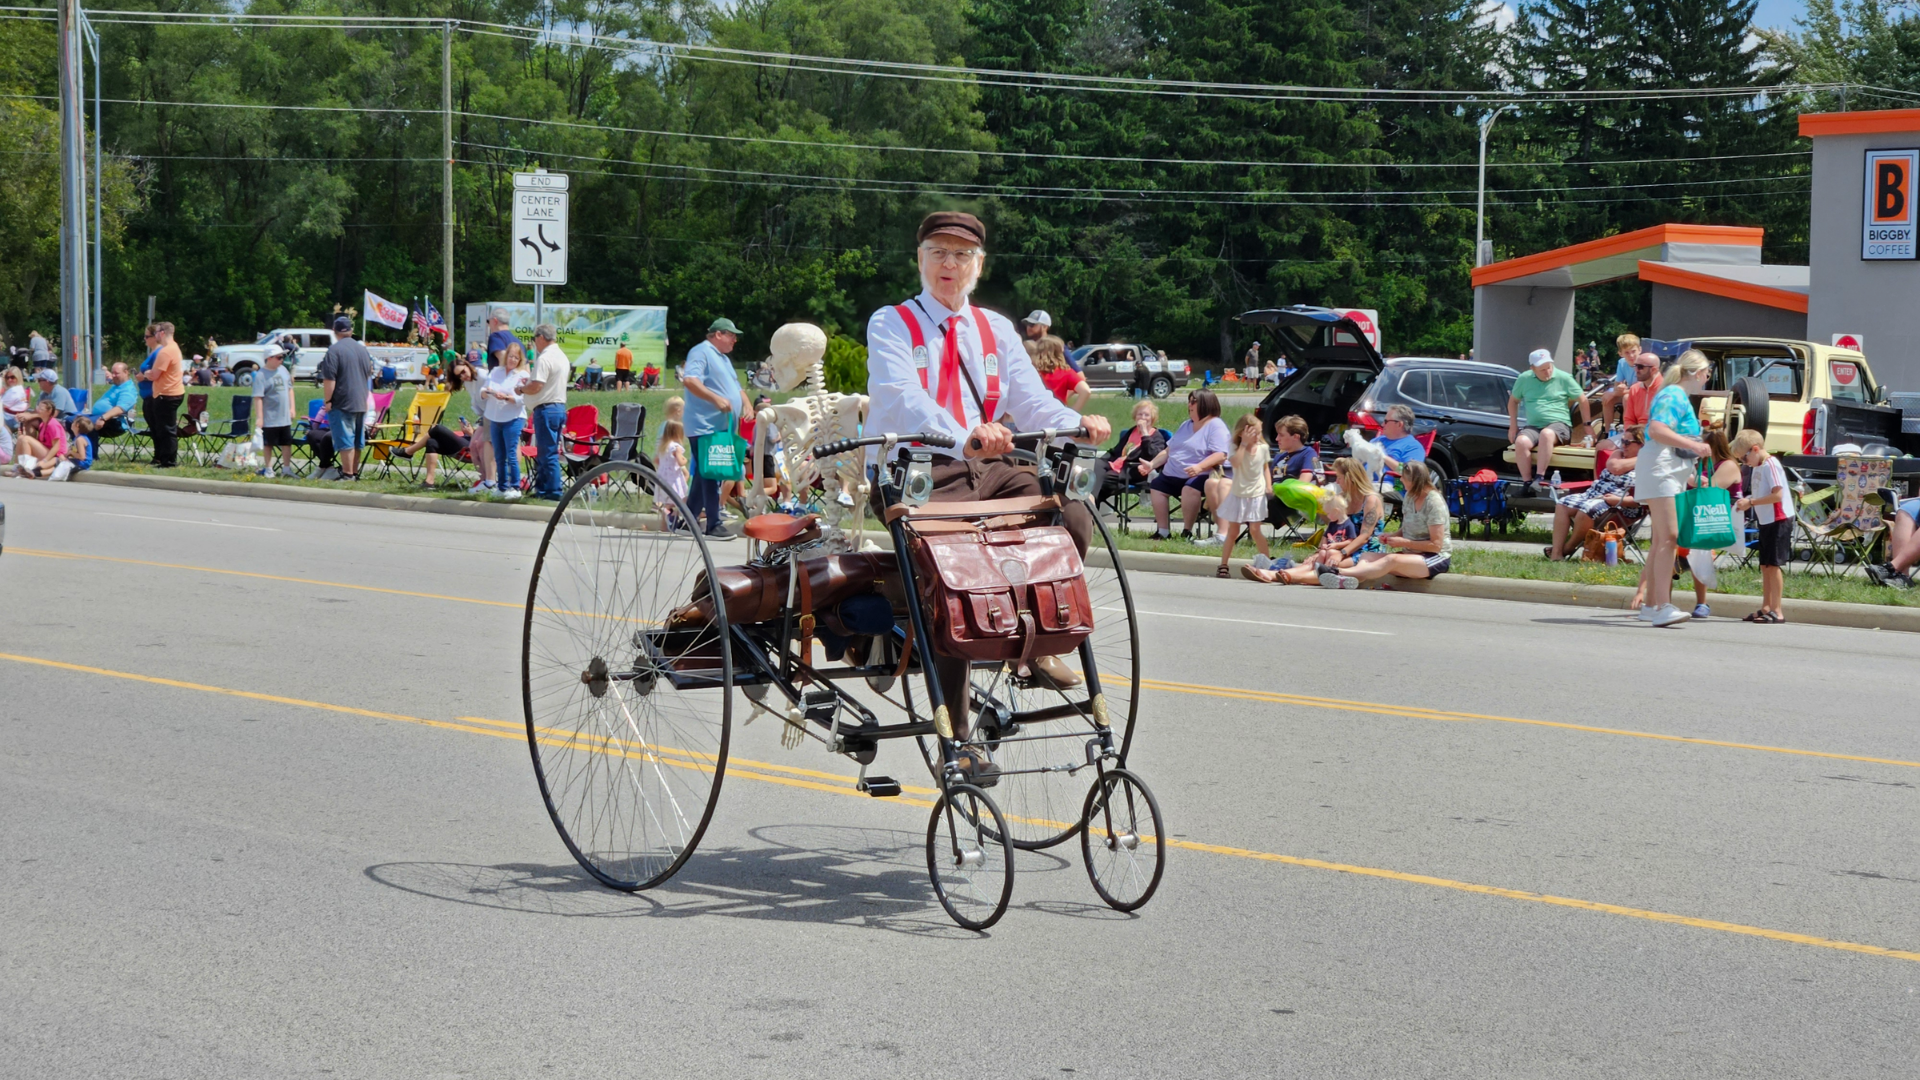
(841, 446)
(1034, 437)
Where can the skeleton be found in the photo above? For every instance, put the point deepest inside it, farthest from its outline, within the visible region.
(807, 421)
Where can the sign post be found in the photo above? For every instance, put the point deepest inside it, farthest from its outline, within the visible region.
(539, 238)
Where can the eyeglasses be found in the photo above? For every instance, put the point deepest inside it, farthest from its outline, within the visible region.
(958, 257)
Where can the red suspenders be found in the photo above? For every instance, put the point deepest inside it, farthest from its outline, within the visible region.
(990, 362)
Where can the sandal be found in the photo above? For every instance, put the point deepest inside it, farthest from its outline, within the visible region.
(1757, 615)
(1772, 617)
(1223, 572)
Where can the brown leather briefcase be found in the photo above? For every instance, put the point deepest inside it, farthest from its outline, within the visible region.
(1003, 594)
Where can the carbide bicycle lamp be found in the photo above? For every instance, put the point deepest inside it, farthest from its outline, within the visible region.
(1082, 469)
(916, 485)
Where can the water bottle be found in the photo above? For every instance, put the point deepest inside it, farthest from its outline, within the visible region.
(1613, 552)
(1555, 483)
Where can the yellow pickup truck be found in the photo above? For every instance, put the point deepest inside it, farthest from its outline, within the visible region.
(1767, 384)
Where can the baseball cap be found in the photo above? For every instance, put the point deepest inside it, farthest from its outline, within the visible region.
(1039, 318)
(46, 375)
(342, 325)
(1538, 357)
(271, 351)
(723, 325)
(952, 223)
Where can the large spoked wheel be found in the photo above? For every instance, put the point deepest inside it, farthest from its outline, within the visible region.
(628, 711)
(1040, 788)
(972, 870)
(1124, 845)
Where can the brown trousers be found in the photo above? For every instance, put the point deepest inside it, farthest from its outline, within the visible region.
(976, 480)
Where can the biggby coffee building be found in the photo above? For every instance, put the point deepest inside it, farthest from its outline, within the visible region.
(1862, 281)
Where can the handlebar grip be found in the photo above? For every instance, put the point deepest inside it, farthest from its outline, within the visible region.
(935, 438)
(839, 446)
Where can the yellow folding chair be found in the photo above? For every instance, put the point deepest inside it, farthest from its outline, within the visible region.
(394, 441)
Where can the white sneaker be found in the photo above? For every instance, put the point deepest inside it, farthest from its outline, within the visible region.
(1262, 562)
(510, 494)
(267, 472)
(1647, 612)
(1210, 542)
(1668, 615)
(1331, 580)
(480, 487)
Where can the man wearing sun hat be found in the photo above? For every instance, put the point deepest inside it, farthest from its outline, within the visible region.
(937, 363)
(1546, 392)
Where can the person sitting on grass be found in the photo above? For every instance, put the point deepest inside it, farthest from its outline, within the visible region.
(41, 444)
(1423, 548)
(1573, 518)
(1340, 547)
(1772, 504)
(1338, 535)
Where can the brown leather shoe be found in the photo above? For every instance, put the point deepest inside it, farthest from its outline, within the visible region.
(1056, 671)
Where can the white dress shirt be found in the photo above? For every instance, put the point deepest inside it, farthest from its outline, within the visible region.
(897, 404)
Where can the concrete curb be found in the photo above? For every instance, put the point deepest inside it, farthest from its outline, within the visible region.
(333, 496)
(1615, 597)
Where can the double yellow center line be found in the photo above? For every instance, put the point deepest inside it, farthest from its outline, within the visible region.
(838, 784)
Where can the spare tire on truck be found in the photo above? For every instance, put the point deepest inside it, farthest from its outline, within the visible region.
(1750, 400)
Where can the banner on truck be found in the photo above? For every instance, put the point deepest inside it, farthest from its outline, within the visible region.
(588, 332)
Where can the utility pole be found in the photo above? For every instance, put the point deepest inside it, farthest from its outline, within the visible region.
(1481, 256)
(73, 198)
(99, 275)
(446, 177)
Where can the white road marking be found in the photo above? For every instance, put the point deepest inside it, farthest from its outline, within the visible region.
(184, 521)
(1256, 622)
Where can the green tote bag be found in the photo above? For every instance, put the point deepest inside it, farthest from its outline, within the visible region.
(720, 456)
(1706, 517)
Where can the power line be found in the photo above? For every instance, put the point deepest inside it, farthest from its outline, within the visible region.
(992, 189)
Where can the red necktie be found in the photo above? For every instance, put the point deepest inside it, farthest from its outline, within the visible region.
(949, 398)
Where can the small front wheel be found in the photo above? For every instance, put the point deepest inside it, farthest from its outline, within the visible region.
(971, 868)
(1123, 844)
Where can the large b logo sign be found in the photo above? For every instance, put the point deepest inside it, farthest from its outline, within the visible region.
(1890, 182)
(1889, 229)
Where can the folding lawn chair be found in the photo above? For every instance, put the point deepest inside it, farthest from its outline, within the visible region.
(425, 411)
(191, 423)
(238, 424)
(583, 442)
(1845, 534)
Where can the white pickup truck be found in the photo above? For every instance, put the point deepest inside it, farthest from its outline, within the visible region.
(407, 361)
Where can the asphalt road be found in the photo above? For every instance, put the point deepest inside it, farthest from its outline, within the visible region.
(1420, 836)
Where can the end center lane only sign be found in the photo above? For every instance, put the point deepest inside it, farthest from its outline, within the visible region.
(539, 239)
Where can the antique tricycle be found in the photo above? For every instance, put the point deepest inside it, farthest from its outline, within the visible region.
(639, 647)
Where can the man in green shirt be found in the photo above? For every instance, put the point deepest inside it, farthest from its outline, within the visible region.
(1547, 392)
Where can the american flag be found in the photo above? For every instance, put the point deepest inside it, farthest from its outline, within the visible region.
(419, 322)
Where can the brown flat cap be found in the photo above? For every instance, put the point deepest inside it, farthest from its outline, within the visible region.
(953, 223)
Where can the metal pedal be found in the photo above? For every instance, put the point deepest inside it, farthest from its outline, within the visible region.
(880, 787)
(819, 705)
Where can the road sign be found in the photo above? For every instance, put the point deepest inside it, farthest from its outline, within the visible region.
(539, 239)
(1849, 341)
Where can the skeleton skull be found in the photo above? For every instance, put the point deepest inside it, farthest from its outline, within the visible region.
(797, 347)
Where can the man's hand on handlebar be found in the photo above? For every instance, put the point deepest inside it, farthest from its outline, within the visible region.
(989, 440)
(1099, 428)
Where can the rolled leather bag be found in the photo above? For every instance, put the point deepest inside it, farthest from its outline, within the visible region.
(757, 593)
